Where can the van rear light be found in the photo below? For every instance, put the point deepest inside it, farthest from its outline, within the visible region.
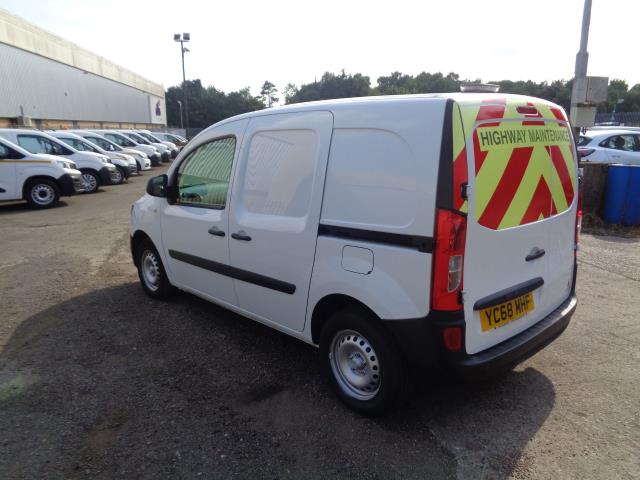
(578, 210)
(452, 338)
(448, 261)
(585, 152)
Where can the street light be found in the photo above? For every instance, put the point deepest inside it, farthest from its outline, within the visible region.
(180, 105)
(183, 38)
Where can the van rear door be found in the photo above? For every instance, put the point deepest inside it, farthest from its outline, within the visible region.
(521, 206)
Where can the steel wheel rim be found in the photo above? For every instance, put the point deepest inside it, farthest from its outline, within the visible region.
(355, 365)
(150, 270)
(118, 175)
(90, 181)
(43, 194)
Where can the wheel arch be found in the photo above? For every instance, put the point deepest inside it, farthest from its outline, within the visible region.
(136, 239)
(34, 178)
(330, 304)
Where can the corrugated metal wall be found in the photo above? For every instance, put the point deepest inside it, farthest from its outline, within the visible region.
(50, 90)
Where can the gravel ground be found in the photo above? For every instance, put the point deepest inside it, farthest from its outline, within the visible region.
(98, 381)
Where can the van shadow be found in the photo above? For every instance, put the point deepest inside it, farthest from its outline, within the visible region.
(112, 384)
(21, 206)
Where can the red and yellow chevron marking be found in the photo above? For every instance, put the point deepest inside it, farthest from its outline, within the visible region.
(524, 164)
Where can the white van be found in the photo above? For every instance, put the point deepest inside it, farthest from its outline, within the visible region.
(125, 165)
(96, 169)
(141, 158)
(134, 136)
(125, 142)
(396, 233)
(151, 137)
(39, 179)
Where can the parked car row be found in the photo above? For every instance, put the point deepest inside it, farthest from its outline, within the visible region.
(41, 166)
(610, 145)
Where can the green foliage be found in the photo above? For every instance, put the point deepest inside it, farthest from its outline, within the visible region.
(209, 105)
(330, 86)
(268, 93)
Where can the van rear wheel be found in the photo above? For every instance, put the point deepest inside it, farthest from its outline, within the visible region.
(363, 363)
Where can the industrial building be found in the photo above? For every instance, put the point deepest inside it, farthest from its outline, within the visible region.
(49, 82)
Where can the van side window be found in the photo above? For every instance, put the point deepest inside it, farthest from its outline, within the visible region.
(37, 144)
(7, 153)
(203, 177)
(279, 172)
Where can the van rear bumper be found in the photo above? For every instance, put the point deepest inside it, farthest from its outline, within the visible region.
(518, 348)
(421, 342)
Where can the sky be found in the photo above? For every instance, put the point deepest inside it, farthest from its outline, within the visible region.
(236, 44)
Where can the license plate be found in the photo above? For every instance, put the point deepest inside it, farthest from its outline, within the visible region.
(499, 315)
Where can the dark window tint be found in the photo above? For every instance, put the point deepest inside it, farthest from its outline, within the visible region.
(38, 144)
(584, 141)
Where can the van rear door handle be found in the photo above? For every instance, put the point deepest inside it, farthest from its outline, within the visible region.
(537, 253)
(216, 231)
(241, 235)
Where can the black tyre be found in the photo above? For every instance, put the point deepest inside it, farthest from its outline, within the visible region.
(91, 181)
(363, 363)
(42, 193)
(120, 176)
(151, 271)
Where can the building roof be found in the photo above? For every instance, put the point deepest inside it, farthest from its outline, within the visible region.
(19, 33)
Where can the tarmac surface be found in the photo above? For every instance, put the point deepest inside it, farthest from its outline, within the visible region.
(99, 381)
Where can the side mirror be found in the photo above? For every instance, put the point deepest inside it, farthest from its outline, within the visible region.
(157, 186)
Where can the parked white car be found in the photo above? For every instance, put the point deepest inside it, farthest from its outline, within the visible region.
(96, 169)
(164, 151)
(125, 142)
(368, 228)
(125, 164)
(39, 179)
(179, 141)
(173, 149)
(141, 159)
(610, 146)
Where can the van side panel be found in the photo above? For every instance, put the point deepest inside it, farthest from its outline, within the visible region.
(380, 192)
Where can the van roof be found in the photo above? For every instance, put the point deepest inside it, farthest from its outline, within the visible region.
(365, 102)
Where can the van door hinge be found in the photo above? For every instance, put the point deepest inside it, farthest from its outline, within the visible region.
(461, 295)
(464, 191)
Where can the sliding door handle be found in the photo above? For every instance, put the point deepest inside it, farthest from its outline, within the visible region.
(241, 235)
(216, 231)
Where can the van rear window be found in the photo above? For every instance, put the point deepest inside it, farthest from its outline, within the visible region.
(524, 163)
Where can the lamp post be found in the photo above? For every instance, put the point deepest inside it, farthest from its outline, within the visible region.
(180, 106)
(183, 38)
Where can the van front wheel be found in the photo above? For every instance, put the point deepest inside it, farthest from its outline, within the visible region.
(362, 362)
(153, 276)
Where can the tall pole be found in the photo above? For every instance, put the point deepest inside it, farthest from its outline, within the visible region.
(181, 122)
(184, 91)
(582, 59)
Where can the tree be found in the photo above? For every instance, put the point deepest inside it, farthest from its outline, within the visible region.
(290, 91)
(332, 86)
(268, 93)
(209, 105)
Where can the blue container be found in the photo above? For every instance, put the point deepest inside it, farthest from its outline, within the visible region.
(632, 205)
(622, 203)
(617, 180)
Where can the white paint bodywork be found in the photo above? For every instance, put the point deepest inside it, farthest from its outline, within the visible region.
(82, 160)
(602, 154)
(375, 168)
(14, 173)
